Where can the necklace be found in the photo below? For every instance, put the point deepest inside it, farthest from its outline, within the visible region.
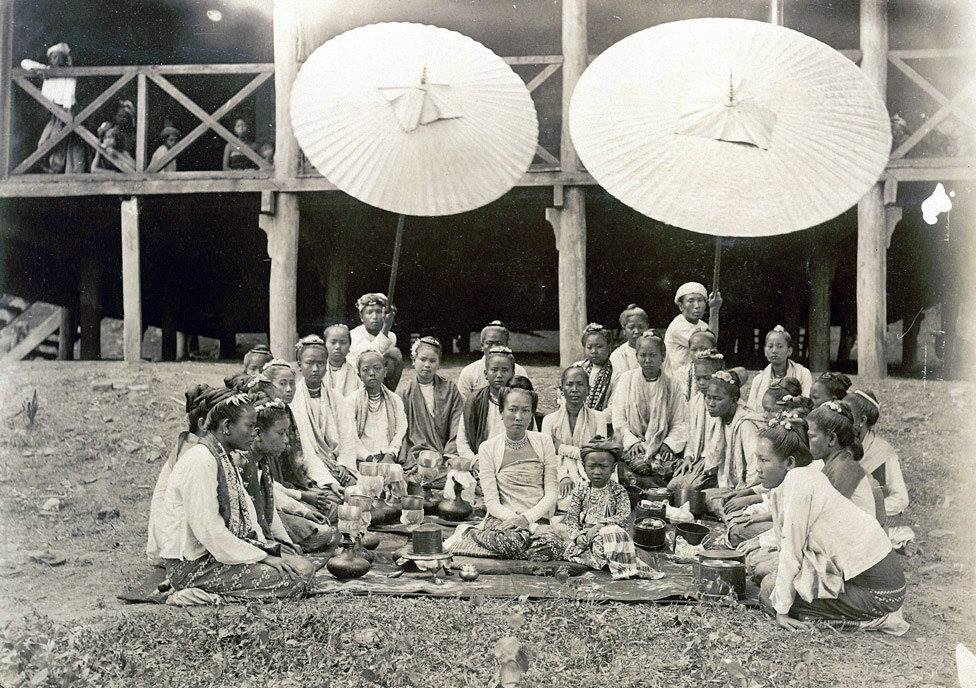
(517, 444)
(374, 405)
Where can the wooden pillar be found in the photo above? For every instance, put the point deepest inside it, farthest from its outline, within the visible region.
(131, 288)
(167, 343)
(568, 216)
(66, 335)
(182, 352)
(282, 226)
(6, 62)
(336, 278)
(822, 266)
(872, 317)
(90, 310)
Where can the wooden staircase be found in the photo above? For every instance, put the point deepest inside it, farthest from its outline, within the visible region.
(30, 330)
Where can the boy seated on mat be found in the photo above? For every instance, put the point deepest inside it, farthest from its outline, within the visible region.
(598, 512)
(374, 334)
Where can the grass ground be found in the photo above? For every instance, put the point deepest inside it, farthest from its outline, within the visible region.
(98, 453)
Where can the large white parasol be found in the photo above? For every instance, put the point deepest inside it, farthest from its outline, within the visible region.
(414, 119)
(730, 127)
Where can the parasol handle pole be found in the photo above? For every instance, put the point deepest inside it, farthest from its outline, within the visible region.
(395, 266)
(716, 273)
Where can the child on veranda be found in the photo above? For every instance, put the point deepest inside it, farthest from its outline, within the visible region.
(597, 513)
(778, 349)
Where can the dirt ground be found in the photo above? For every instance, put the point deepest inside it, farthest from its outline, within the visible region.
(75, 489)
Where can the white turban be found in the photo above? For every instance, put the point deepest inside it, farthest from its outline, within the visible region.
(59, 48)
(690, 288)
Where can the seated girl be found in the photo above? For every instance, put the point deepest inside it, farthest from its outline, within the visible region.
(432, 404)
(648, 411)
(280, 520)
(340, 376)
(779, 348)
(597, 516)
(736, 464)
(599, 370)
(571, 426)
(829, 386)
(833, 440)
(518, 472)
(633, 323)
(214, 542)
(785, 395)
(302, 483)
(199, 400)
(700, 342)
(699, 465)
(379, 417)
(834, 563)
(880, 459)
(481, 419)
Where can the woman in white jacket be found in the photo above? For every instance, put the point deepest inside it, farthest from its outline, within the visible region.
(518, 472)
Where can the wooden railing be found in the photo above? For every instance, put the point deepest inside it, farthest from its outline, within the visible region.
(139, 169)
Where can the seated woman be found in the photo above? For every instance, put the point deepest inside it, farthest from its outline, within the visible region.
(571, 426)
(481, 419)
(833, 440)
(518, 476)
(699, 465)
(340, 376)
(596, 345)
(598, 511)
(633, 323)
(378, 415)
(322, 418)
(648, 412)
(779, 348)
(834, 562)
(829, 386)
(282, 522)
(214, 543)
(880, 459)
(433, 406)
(736, 465)
(302, 482)
(199, 400)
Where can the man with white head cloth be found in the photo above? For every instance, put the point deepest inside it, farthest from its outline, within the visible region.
(691, 299)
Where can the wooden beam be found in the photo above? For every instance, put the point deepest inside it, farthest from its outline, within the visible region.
(66, 335)
(116, 70)
(90, 309)
(534, 59)
(542, 76)
(950, 107)
(546, 155)
(822, 267)
(6, 64)
(142, 111)
(131, 287)
(231, 181)
(217, 114)
(207, 119)
(34, 338)
(872, 288)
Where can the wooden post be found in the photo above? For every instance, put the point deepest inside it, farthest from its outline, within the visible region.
(282, 226)
(822, 265)
(131, 292)
(336, 277)
(872, 241)
(167, 343)
(6, 62)
(66, 335)
(568, 219)
(90, 310)
(181, 346)
(142, 112)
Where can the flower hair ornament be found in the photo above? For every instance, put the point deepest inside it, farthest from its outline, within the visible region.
(725, 376)
(235, 400)
(504, 350)
(712, 354)
(785, 420)
(275, 362)
(256, 380)
(309, 340)
(429, 341)
(273, 403)
(867, 397)
(834, 406)
(594, 327)
(779, 328)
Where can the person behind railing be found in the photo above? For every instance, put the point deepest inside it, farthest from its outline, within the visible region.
(110, 158)
(169, 135)
(69, 155)
(234, 157)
